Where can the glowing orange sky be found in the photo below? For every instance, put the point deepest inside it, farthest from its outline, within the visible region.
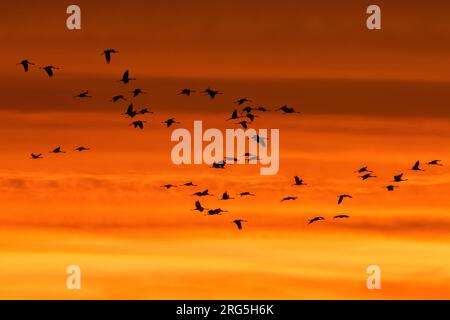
(367, 98)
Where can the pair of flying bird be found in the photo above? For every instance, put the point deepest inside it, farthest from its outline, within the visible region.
(209, 92)
(341, 216)
(25, 63)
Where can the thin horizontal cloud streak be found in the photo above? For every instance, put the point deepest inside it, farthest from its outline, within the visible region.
(350, 97)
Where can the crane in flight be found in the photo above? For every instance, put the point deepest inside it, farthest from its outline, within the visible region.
(138, 124)
(298, 181)
(189, 184)
(286, 109)
(391, 187)
(168, 186)
(435, 163)
(186, 92)
(131, 113)
(118, 97)
(416, 166)
(226, 196)
(126, 77)
(49, 70)
(107, 53)
(367, 176)
(241, 101)
(238, 223)
(36, 156)
(81, 148)
(25, 64)
(288, 198)
(342, 197)
(217, 211)
(199, 207)
(57, 150)
(315, 219)
(170, 122)
(363, 170)
(341, 216)
(399, 178)
(245, 194)
(202, 193)
(137, 92)
(211, 93)
(234, 115)
(84, 94)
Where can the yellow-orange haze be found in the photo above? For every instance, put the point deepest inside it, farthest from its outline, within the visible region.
(375, 98)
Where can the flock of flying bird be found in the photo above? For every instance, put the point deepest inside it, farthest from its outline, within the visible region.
(245, 117)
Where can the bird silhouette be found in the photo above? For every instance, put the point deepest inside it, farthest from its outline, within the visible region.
(416, 166)
(118, 97)
(362, 170)
(241, 101)
(399, 178)
(189, 184)
(138, 124)
(219, 164)
(288, 198)
(137, 92)
(248, 154)
(226, 196)
(435, 163)
(234, 115)
(315, 219)
(262, 109)
(246, 193)
(84, 94)
(126, 77)
(131, 113)
(298, 181)
(199, 207)
(342, 197)
(251, 116)
(170, 122)
(247, 109)
(341, 216)
(108, 53)
(217, 211)
(144, 111)
(367, 176)
(25, 64)
(286, 109)
(238, 223)
(243, 123)
(186, 92)
(81, 148)
(49, 70)
(168, 186)
(261, 140)
(211, 93)
(57, 150)
(391, 187)
(36, 156)
(202, 193)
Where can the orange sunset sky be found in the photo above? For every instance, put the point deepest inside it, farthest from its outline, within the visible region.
(377, 98)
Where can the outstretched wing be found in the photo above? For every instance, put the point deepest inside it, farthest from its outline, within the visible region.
(108, 56)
